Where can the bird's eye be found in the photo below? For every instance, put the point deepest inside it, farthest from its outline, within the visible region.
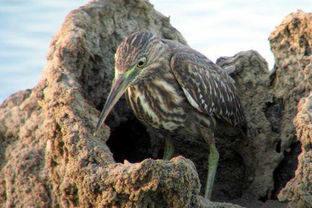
(141, 63)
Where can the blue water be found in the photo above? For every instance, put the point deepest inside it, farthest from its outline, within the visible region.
(27, 27)
(216, 28)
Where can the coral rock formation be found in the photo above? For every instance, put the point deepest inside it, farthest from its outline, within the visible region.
(291, 43)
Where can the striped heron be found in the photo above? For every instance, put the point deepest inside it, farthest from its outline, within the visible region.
(176, 89)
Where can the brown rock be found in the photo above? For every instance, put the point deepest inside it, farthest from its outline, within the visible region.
(299, 189)
(291, 43)
(291, 79)
(258, 151)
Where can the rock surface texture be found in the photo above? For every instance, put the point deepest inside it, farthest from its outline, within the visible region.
(292, 46)
(50, 158)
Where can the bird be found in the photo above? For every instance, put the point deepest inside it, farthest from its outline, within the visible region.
(174, 89)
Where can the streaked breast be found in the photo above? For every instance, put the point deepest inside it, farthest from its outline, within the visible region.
(158, 102)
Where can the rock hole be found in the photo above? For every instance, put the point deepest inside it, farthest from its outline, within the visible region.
(61, 147)
(274, 112)
(129, 141)
(53, 163)
(303, 43)
(278, 146)
(287, 31)
(72, 194)
(286, 169)
(264, 198)
(295, 23)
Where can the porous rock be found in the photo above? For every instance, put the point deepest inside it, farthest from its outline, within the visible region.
(291, 43)
(258, 151)
(299, 189)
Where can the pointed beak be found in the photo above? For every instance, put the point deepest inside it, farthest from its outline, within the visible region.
(120, 85)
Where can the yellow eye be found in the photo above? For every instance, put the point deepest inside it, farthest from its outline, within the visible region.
(141, 63)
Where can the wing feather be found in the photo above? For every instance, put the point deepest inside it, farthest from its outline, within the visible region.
(207, 88)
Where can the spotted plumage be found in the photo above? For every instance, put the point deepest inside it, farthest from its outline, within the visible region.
(172, 87)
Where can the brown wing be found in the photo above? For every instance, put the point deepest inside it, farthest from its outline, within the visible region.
(206, 86)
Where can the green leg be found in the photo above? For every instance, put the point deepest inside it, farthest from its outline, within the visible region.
(169, 148)
(212, 168)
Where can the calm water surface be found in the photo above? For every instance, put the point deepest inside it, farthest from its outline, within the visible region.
(27, 27)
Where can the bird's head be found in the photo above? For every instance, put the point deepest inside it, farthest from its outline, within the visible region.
(136, 57)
